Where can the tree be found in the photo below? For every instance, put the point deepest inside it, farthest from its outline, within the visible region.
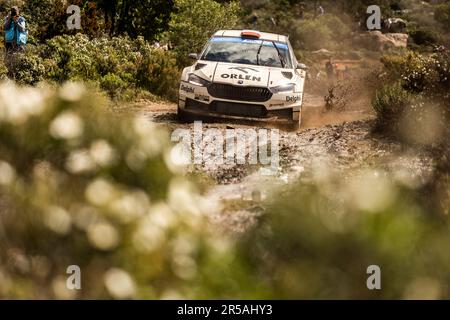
(194, 21)
(147, 18)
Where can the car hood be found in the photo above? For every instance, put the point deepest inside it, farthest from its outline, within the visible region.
(243, 75)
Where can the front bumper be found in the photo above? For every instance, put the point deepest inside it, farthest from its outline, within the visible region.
(197, 101)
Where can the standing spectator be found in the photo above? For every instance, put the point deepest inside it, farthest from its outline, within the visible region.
(15, 31)
(255, 21)
(329, 67)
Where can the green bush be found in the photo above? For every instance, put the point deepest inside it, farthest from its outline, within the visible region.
(81, 186)
(442, 14)
(321, 236)
(115, 64)
(423, 36)
(26, 68)
(158, 73)
(416, 95)
(3, 70)
(390, 104)
(112, 84)
(327, 31)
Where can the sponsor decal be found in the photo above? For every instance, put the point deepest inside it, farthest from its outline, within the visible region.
(277, 105)
(240, 77)
(293, 98)
(201, 97)
(187, 89)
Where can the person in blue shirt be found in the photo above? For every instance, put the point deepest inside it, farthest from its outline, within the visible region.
(15, 31)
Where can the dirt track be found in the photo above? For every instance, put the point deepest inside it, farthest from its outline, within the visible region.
(340, 140)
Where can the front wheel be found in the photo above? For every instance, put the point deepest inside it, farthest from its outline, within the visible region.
(181, 116)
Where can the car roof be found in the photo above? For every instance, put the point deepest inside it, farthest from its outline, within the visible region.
(264, 35)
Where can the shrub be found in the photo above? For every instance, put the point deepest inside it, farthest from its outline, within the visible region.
(3, 70)
(159, 74)
(423, 36)
(26, 68)
(442, 14)
(390, 104)
(115, 64)
(327, 31)
(320, 238)
(81, 186)
(112, 84)
(416, 96)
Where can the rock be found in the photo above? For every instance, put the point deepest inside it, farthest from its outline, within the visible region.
(377, 41)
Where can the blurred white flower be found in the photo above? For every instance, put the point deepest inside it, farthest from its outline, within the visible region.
(68, 125)
(102, 153)
(60, 289)
(162, 216)
(172, 294)
(71, 91)
(130, 206)
(58, 220)
(184, 267)
(148, 237)
(18, 104)
(151, 140)
(103, 236)
(100, 192)
(84, 216)
(371, 191)
(119, 284)
(184, 244)
(143, 127)
(182, 197)
(80, 161)
(7, 174)
(135, 158)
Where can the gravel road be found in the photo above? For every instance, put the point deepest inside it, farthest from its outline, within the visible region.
(339, 140)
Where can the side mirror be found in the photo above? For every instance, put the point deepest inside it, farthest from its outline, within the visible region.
(302, 66)
(193, 56)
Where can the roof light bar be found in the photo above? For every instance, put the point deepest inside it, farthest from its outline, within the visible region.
(250, 34)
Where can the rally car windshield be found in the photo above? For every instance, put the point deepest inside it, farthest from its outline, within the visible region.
(248, 51)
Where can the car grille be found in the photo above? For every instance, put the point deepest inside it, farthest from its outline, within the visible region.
(229, 92)
(238, 109)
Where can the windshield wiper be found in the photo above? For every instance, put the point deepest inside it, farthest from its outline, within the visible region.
(259, 52)
(283, 64)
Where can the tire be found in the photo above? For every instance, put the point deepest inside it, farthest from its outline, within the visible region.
(183, 117)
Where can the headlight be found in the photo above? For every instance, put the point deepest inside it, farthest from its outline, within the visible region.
(197, 80)
(283, 88)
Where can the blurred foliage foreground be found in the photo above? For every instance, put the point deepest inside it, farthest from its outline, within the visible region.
(81, 186)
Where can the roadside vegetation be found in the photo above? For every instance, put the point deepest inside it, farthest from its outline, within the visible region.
(80, 185)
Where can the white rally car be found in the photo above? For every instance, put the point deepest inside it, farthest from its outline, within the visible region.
(244, 74)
